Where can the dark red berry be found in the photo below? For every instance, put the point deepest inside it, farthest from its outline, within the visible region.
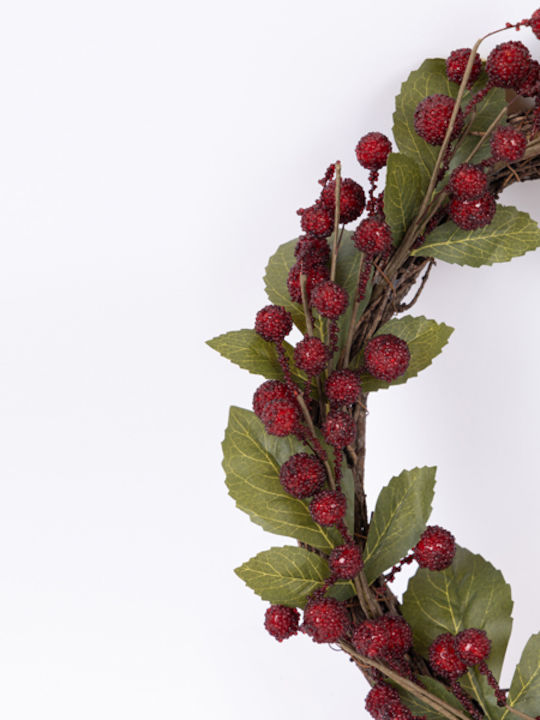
(343, 387)
(373, 236)
(302, 475)
(435, 549)
(312, 251)
(316, 221)
(372, 150)
(432, 117)
(268, 391)
(346, 561)
(508, 64)
(457, 62)
(314, 276)
(386, 637)
(328, 507)
(530, 85)
(351, 200)
(473, 214)
(329, 299)
(338, 429)
(273, 323)
(382, 700)
(325, 620)
(281, 621)
(386, 357)
(468, 182)
(281, 417)
(508, 144)
(535, 23)
(311, 355)
(473, 646)
(444, 659)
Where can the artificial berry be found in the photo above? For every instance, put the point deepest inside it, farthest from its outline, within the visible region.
(457, 62)
(432, 117)
(346, 561)
(508, 64)
(316, 221)
(273, 323)
(468, 182)
(302, 475)
(351, 199)
(473, 646)
(508, 144)
(268, 391)
(325, 620)
(530, 84)
(338, 429)
(386, 357)
(328, 507)
(444, 659)
(343, 387)
(435, 549)
(314, 276)
(329, 299)
(372, 150)
(312, 250)
(281, 417)
(386, 637)
(373, 236)
(473, 214)
(311, 355)
(380, 699)
(535, 23)
(281, 621)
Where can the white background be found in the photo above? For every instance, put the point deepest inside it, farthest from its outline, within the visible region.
(152, 157)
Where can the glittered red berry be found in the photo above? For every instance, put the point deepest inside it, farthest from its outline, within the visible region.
(338, 429)
(373, 236)
(508, 64)
(432, 117)
(281, 417)
(346, 561)
(473, 646)
(328, 507)
(386, 637)
(314, 276)
(343, 387)
(268, 391)
(316, 221)
(381, 697)
(508, 144)
(372, 150)
(444, 659)
(386, 357)
(472, 214)
(435, 549)
(457, 62)
(468, 182)
(312, 250)
(530, 85)
(273, 323)
(325, 620)
(281, 621)
(302, 475)
(351, 200)
(329, 299)
(311, 355)
(535, 23)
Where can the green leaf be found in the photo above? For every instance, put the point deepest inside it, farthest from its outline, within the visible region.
(471, 593)
(252, 460)
(524, 692)
(419, 708)
(275, 279)
(402, 510)
(287, 575)
(425, 338)
(403, 193)
(511, 233)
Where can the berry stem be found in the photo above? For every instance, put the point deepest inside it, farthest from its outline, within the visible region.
(311, 426)
(337, 209)
(345, 357)
(305, 305)
(465, 700)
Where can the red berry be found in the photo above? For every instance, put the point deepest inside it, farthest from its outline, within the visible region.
(314, 276)
(432, 117)
(386, 357)
(302, 475)
(468, 182)
(508, 64)
(508, 144)
(338, 429)
(268, 391)
(325, 620)
(346, 561)
(373, 236)
(328, 507)
(457, 62)
(273, 323)
(383, 702)
(444, 659)
(281, 417)
(386, 637)
(372, 150)
(473, 214)
(316, 221)
(535, 23)
(312, 251)
(329, 299)
(435, 549)
(311, 355)
(351, 200)
(281, 621)
(343, 387)
(473, 646)
(530, 84)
